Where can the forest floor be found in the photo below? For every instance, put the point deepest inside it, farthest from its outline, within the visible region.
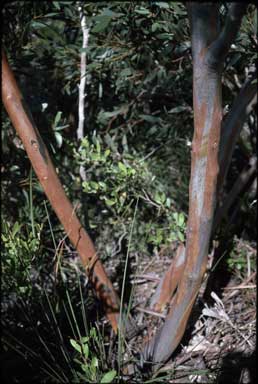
(219, 343)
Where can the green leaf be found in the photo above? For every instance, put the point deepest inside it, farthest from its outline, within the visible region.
(149, 118)
(179, 109)
(175, 216)
(122, 167)
(109, 202)
(94, 362)
(126, 72)
(162, 4)
(85, 368)
(180, 236)
(95, 156)
(103, 22)
(108, 377)
(94, 185)
(168, 202)
(103, 185)
(93, 66)
(160, 198)
(181, 220)
(84, 339)
(57, 118)
(16, 228)
(142, 11)
(59, 139)
(85, 185)
(93, 333)
(107, 152)
(164, 36)
(155, 26)
(51, 14)
(98, 146)
(56, 5)
(76, 345)
(108, 12)
(85, 350)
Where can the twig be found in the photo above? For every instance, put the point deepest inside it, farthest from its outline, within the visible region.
(147, 277)
(85, 34)
(242, 287)
(149, 312)
(246, 281)
(82, 94)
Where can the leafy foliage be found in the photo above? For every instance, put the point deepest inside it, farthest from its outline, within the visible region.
(19, 250)
(88, 361)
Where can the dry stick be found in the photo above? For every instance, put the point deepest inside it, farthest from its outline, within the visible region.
(25, 126)
(85, 39)
(82, 94)
(246, 281)
(149, 312)
(81, 103)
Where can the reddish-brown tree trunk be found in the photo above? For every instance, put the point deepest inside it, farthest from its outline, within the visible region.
(209, 47)
(45, 171)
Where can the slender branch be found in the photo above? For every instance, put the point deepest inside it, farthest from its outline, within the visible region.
(81, 103)
(85, 34)
(245, 178)
(233, 124)
(221, 45)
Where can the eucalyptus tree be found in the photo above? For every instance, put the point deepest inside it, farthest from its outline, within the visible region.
(212, 35)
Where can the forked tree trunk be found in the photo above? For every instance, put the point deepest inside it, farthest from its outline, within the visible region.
(209, 47)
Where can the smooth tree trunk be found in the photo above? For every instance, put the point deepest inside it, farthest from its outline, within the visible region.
(22, 121)
(210, 44)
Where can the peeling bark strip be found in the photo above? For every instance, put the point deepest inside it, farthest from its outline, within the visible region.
(209, 47)
(42, 164)
(169, 282)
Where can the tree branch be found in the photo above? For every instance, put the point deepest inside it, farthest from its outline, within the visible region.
(204, 25)
(85, 33)
(38, 154)
(233, 124)
(81, 103)
(221, 46)
(246, 177)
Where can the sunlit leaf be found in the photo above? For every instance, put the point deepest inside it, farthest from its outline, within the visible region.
(76, 345)
(108, 377)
